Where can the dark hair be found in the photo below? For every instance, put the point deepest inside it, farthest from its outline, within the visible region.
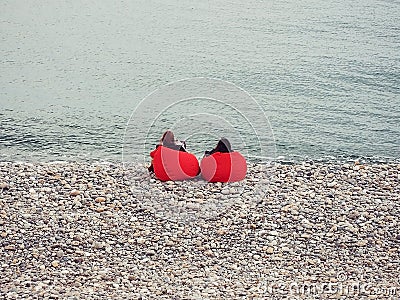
(223, 146)
(168, 138)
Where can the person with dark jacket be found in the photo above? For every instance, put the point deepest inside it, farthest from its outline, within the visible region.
(222, 164)
(223, 146)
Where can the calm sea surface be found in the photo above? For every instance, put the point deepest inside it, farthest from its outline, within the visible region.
(326, 73)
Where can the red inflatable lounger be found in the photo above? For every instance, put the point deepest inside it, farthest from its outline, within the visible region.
(223, 167)
(172, 164)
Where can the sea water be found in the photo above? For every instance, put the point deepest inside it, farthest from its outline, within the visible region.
(326, 74)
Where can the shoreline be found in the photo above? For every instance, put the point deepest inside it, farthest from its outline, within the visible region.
(279, 160)
(99, 231)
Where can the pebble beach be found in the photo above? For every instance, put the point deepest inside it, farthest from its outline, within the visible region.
(102, 231)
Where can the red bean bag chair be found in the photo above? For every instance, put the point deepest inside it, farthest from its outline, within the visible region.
(170, 164)
(223, 167)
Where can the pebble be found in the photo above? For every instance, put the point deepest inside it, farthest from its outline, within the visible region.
(141, 241)
(55, 263)
(150, 252)
(98, 245)
(331, 184)
(225, 192)
(362, 243)
(199, 195)
(75, 193)
(169, 243)
(100, 199)
(270, 250)
(3, 185)
(221, 231)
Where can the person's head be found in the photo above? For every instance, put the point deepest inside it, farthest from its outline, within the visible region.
(224, 145)
(168, 138)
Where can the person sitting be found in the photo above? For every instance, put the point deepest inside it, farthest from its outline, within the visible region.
(171, 161)
(168, 140)
(222, 164)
